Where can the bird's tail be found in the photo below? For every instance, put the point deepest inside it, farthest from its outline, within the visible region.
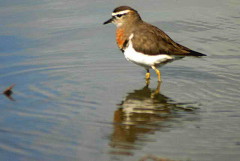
(189, 52)
(195, 53)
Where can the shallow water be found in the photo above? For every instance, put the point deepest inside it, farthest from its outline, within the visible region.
(77, 98)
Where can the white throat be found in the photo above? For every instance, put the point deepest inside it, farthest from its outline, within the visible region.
(118, 24)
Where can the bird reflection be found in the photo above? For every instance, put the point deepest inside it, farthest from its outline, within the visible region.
(142, 112)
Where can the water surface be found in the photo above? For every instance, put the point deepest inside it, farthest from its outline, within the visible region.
(77, 98)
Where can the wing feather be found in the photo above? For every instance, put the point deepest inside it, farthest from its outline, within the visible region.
(150, 40)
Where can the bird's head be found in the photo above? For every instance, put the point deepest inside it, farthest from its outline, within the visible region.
(123, 15)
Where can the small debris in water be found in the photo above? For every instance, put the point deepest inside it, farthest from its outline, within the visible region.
(8, 91)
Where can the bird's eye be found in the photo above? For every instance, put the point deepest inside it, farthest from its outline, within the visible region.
(119, 15)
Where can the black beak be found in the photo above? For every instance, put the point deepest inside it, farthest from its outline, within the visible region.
(108, 21)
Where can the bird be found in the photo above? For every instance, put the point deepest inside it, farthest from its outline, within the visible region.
(145, 44)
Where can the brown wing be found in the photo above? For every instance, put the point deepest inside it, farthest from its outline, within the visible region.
(150, 40)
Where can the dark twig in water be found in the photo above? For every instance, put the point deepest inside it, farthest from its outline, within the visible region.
(8, 92)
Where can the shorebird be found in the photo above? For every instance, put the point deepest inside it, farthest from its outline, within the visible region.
(145, 44)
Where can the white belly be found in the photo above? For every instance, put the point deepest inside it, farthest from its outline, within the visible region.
(145, 60)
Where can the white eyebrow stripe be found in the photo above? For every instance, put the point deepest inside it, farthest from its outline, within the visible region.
(120, 12)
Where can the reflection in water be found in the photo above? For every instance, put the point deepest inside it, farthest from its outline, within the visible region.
(142, 112)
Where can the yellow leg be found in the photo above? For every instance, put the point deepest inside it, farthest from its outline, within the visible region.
(147, 76)
(157, 90)
(158, 73)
